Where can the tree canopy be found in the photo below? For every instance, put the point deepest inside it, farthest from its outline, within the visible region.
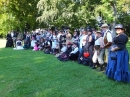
(25, 15)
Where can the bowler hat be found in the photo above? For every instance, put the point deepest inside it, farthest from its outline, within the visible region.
(119, 26)
(99, 31)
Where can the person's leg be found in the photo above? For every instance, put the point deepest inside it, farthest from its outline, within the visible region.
(100, 60)
(94, 59)
(72, 56)
(76, 57)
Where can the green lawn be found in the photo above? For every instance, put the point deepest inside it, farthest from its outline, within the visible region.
(34, 74)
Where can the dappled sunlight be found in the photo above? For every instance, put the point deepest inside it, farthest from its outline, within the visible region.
(39, 59)
(1, 76)
(1, 58)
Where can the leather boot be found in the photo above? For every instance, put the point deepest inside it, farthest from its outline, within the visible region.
(90, 64)
(94, 66)
(105, 65)
(101, 67)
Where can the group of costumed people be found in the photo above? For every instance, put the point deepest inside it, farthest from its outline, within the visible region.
(88, 47)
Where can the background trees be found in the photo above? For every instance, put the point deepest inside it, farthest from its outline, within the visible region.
(18, 15)
(24, 15)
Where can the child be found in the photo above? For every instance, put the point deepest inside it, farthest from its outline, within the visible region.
(33, 42)
(35, 47)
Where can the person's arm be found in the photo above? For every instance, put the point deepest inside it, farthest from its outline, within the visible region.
(90, 38)
(109, 39)
(114, 48)
(75, 51)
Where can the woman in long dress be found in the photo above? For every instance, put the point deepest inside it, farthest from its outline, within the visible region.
(118, 60)
(9, 39)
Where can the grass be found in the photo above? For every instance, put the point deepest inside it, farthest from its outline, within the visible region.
(34, 74)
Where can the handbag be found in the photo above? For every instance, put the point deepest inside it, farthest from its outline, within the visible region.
(113, 55)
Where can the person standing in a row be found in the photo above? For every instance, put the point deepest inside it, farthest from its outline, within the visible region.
(107, 41)
(118, 59)
(9, 39)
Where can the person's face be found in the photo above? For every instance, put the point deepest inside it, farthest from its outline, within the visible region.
(84, 32)
(53, 33)
(98, 34)
(75, 33)
(89, 33)
(119, 31)
(81, 32)
(68, 45)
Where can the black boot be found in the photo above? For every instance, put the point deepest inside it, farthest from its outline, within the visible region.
(105, 65)
(101, 67)
(94, 66)
(90, 64)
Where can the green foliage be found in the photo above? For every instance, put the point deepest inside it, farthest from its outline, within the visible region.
(77, 13)
(16, 13)
(66, 12)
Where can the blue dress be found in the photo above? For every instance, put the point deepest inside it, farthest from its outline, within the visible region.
(118, 61)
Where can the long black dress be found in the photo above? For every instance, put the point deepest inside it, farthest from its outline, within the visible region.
(9, 42)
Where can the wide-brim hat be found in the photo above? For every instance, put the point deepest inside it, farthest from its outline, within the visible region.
(99, 31)
(104, 25)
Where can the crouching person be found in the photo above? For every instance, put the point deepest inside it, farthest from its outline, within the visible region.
(98, 51)
(75, 52)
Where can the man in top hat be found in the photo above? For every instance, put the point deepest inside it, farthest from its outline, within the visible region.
(107, 37)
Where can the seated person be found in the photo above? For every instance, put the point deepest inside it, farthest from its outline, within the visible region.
(56, 49)
(33, 42)
(26, 45)
(35, 47)
(41, 44)
(18, 45)
(74, 53)
(47, 46)
(65, 56)
(63, 50)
